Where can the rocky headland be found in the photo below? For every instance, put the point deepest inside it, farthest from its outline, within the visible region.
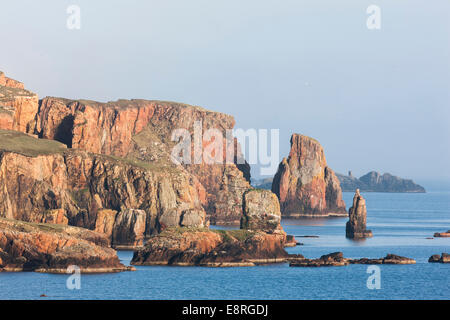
(442, 234)
(304, 183)
(53, 248)
(375, 182)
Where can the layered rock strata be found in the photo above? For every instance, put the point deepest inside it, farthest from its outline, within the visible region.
(304, 183)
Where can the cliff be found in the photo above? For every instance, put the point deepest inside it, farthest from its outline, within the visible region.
(141, 130)
(53, 248)
(375, 182)
(304, 183)
(43, 181)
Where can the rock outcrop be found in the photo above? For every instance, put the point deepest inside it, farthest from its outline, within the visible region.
(213, 248)
(304, 184)
(336, 259)
(356, 225)
(442, 234)
(70, 186)
(261, 211)
(375, 182)
(444, 258)
(53, 248)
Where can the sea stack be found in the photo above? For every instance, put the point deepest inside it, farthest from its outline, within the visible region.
(356, 225)
(304, 183)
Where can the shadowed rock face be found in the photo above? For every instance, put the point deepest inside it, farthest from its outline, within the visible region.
(304, 184)
(356, 226)
(52, 248)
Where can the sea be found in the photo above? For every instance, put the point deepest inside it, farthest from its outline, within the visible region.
(401, 223)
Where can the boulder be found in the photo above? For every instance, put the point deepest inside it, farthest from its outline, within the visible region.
(356, 226)
(304, 183)
(261, 211)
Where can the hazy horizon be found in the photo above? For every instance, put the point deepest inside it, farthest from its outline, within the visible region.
(377, 100)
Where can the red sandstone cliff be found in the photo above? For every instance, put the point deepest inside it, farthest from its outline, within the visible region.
(141, 129)
(305, 184)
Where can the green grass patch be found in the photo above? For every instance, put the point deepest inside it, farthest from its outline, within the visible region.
(24, 144)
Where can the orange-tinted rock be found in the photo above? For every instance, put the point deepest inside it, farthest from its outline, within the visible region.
(142, 130)
(304, 183)
(18, 107)
(53, 248)
(215, 248)
(60, 182)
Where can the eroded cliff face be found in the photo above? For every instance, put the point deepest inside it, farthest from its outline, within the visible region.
(18, 107)
(304, 184)
(53, 248)
(142, 130)
(43, 181)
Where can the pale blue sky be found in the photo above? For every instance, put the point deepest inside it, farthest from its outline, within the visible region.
(375, 99)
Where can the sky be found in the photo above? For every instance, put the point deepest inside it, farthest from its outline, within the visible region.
(376, 99)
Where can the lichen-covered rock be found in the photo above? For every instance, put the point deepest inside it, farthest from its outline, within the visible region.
(53, 248)
(215, 248)
(356, 225)
(304, 184)
(261, 211)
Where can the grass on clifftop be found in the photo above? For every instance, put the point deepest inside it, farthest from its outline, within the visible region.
(26, 145)
(227, 235)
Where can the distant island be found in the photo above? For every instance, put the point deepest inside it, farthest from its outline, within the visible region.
(375, 182)
(370, 182)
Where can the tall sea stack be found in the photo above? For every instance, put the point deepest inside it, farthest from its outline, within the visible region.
(304, 183)
(356, 225)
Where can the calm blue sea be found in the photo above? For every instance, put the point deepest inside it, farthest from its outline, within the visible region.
(400, 224)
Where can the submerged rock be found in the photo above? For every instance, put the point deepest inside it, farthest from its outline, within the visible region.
(304, 183)
(356, 226)
(53, 248)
